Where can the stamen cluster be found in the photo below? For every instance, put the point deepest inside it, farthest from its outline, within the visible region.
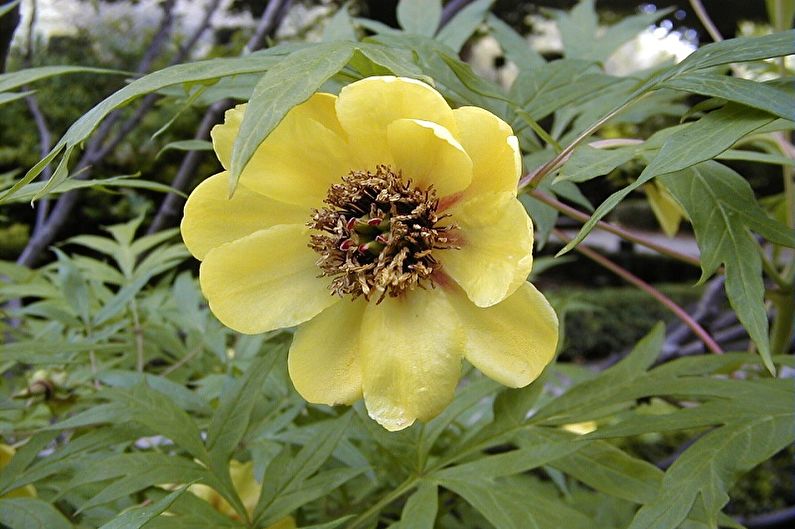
(378, 235)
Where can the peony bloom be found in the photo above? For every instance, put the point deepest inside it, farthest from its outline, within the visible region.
(386, 226)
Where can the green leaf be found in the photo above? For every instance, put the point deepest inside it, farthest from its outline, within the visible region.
(763, 96)
(781, 13)
(179, 394)
(8, 97)
(22, 460)
(397, 61)
(515, 47)
(579, 31)
(506, 508)
(757, 157)
(297, 469)
(468, 397)
(721, 205)
(138, 517)
(419, 16)
(31, 513)
(7, 8)
(458, 30)
(35, 190)
(231, 420)
(420, 509)
(137, 472)
(580, 399)
(706, 469)
(545, 89)
(329, 525)
(9, 81)
(311, 489)
(65, 456)
(119, 302)
(741, 49)
(587, 163)
(536, 449)
(173, 75)
(191, 512)
(186, 145)
(74, 287)
(156, 411)
(513, 405)
(607, 469)
(290, 82)
(698, 142)
(340, 27)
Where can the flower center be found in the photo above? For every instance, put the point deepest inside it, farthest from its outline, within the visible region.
(378, 234)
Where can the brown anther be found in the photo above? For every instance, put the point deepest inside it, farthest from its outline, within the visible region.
(394, 228)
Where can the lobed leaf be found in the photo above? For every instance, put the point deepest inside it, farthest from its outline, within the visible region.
(421, 17)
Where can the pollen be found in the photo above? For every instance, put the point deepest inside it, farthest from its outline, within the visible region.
(378, 234)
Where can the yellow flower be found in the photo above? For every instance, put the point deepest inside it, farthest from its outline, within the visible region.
(386, 226)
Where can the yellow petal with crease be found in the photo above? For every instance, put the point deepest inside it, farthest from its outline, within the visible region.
(365, 109)
(427, 154)
(323, 361)
(265, 281)
(513, 341)
(494, 150)
(299, 160)
(410, 356)
(495, 237)
(212, 219)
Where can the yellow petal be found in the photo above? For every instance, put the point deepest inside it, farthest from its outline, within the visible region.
(265, 281)
(365, 109)
(410, 357)
(427, 154)
(212, 219)
(512, 341)
(495, 236)
(299, 160)
(323, 360)
(494, 150)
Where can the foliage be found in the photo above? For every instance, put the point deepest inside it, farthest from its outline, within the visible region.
(120, 391)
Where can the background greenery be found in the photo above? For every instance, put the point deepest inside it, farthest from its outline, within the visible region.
(121, 392)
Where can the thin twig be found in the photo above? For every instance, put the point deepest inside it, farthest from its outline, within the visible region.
(664, 300)
(706, 306)
(612, 228)
(149, 101)
(450, 10)
(171, 204)
(702, 15)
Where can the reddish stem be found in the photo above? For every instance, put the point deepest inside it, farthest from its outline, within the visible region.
(667, 302)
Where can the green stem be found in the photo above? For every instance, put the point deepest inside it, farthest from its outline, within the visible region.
(702, 15)
(538, 129)
(138, 337)
(402, 489)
